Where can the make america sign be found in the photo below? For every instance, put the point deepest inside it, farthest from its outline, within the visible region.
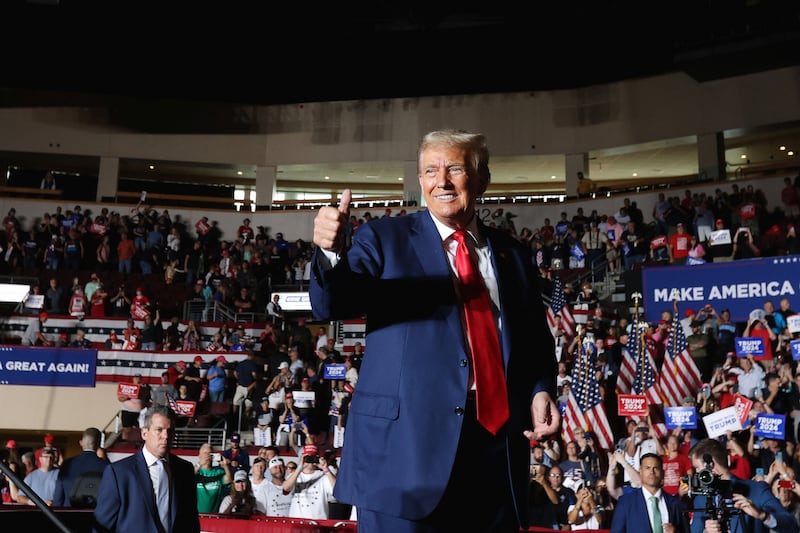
(740, 286)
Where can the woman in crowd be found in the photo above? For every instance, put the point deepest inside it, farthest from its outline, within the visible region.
(241, 500)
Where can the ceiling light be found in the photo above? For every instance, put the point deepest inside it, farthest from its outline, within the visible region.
(635, 174)
(400, 178)
(743, 156)
(239, 172)
(782, 148)
(327, 177)
(552, 177)
(790, 153)
(152, 167)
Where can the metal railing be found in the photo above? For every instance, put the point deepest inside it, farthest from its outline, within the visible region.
(185, 437)
(217, 312)
(112, 431)
(192, 438)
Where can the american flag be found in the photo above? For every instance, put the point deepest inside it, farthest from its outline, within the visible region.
(679, 374)
(559, 306)
(117, 366)
(349, 332)
(638, 374)
(173, 405)
(585, 407)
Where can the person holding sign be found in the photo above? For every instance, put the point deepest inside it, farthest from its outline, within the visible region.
(757, 327)
(134, 397)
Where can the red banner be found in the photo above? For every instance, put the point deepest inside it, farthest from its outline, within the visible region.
(131, 390)
(632, 405)
(742, 404)
(184, 407)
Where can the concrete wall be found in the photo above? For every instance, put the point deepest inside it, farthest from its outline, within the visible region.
(555, 122)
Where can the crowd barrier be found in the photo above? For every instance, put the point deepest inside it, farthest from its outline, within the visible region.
(19, 518)
(266, 524)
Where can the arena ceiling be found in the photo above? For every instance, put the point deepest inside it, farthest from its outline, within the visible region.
(156, 66)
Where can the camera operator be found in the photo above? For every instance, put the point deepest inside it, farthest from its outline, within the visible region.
(746, 505)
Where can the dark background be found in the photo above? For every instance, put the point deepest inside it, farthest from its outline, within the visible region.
(284, 52)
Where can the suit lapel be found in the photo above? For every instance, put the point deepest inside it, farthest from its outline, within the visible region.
(146, 486)
(644, 513)
(502, 266)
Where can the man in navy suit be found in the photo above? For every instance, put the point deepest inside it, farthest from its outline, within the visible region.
(632, 508)
(85, 463)
(128, 501)
(748, 506)
(416, 458)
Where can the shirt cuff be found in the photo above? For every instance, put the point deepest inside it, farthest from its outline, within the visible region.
(772, 523)
(328, 259)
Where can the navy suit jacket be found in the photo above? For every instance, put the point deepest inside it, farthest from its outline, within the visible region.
(760, 494)
(630, 513)
(126, 502)
(68, 473)
(405, 416)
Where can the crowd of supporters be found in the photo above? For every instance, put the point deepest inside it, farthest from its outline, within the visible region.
(575, 478)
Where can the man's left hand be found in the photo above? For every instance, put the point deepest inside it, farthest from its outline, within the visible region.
(746, 506)
(545, 416)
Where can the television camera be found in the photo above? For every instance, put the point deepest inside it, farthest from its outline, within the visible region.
(718, 493)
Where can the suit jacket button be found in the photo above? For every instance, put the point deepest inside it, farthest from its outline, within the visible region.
(463, 362)
(459, 411)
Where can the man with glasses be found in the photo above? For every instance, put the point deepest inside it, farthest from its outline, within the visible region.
(566, 496)
(42, 481)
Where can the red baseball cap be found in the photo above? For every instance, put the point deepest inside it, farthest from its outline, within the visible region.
(310, 449)
(49, 439)
(198, 359)
(11, 444)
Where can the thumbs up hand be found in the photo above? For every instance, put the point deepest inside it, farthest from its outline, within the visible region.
(330, 224)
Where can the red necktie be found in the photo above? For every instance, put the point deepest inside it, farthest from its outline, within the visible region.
(487, 363)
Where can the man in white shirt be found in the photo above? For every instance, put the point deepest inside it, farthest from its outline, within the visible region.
(643, 441)
(275, 312)
(258, 482)
(312, 485)
(271, 494)
(751, 379)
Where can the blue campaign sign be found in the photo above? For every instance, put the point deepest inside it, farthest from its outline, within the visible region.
(749, 346)
(680, 417)
(52, 367)
(334, 371)
(795, 347)
(740, 286)
(770, 426)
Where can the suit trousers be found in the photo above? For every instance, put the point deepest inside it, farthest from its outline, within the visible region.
(478, 495)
